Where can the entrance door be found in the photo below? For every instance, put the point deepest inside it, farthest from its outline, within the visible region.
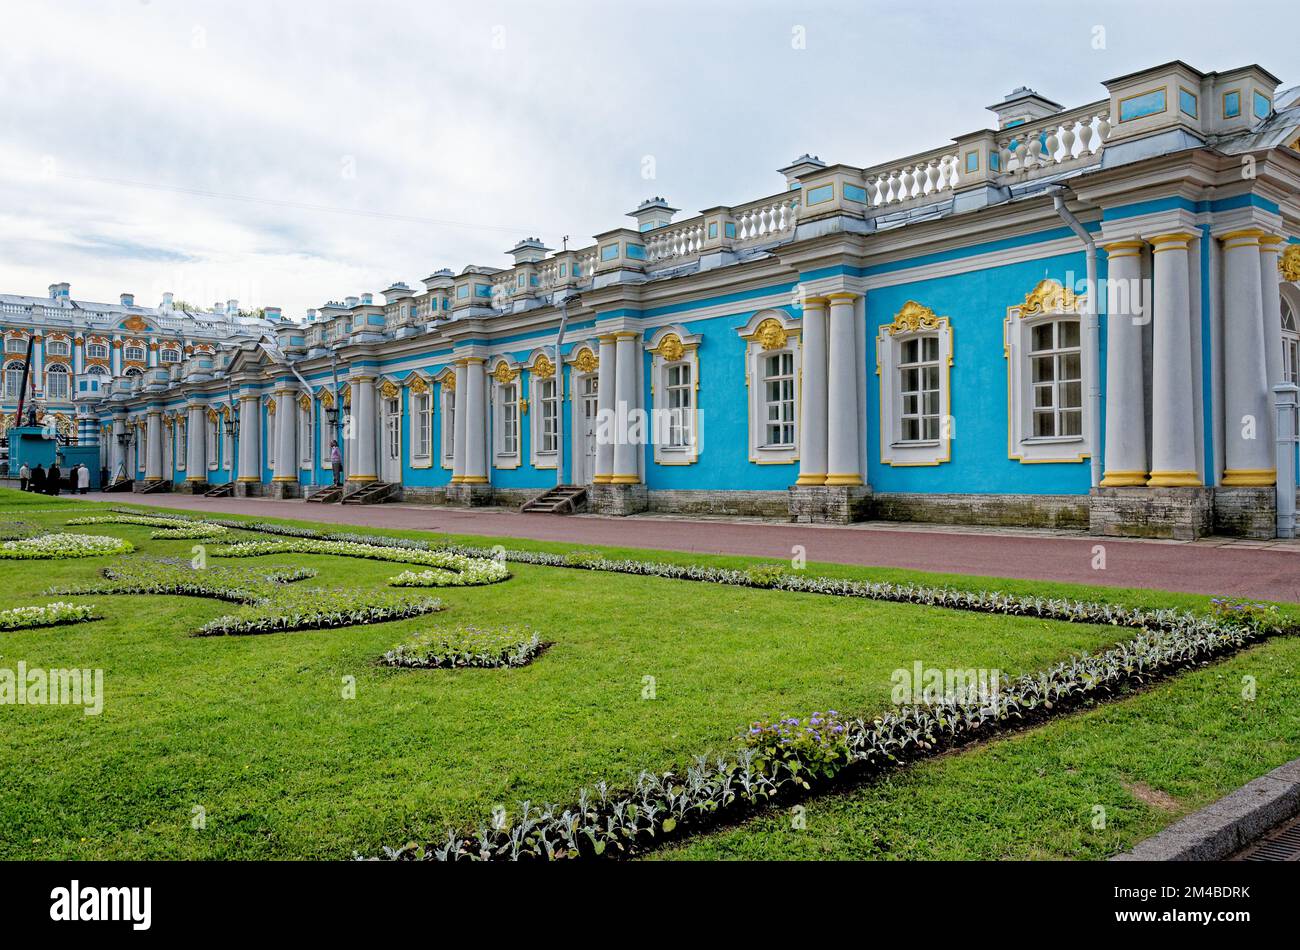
(589, 389)
(391, 468)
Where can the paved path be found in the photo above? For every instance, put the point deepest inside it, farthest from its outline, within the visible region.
(1216, 566)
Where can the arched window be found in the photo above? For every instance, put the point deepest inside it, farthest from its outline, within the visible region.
(169, 356)
(16, 344)
(56, 382)
(13, 381)
(133, 371)
(57, 348)
(133, 354)
(96, 351)
(96, 370)
(1290, 344)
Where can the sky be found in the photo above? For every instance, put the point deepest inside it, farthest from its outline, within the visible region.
(289, 153)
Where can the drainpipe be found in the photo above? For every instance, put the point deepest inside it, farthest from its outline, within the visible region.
(1092, 332)
(272, 349)
(559, 390)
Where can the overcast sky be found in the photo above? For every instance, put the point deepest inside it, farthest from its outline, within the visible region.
(288, 153)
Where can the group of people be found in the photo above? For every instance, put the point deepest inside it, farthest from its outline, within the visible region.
(48, 481)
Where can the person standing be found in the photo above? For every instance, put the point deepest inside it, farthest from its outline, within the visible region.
(24, 477)
(83, 479)
(52, 478)
(38, 479)
(336, 462)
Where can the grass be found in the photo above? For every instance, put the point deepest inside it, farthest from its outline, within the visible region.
(256, 730)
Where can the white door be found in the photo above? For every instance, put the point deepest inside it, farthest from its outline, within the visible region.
(590, 385)
(392, 448)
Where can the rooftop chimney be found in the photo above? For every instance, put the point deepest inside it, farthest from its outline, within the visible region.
(218, 307)
(1023, 105)
(232, 307)
(272, 314)
(167, 300)
(59, 291)
(128, 300)
(653, 213)
(800, 166)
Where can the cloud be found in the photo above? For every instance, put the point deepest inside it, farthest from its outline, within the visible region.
(286, 154)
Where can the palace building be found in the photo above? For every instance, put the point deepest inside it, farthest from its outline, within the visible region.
(1081, 317)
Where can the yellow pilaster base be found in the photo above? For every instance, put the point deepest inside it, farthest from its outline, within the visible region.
(1124, 479)
(1174, 480)
(473, 480)
(847, 480)
(285, 478)
(363, 478)
(624, 480)
(1255, 477)
(601, 479)
(811, 479)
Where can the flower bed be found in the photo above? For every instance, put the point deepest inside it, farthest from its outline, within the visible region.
(14, 530)
(452, 569)
(175, 576)
(785, 759)
(169, 529)
(46, 615)
(315, 609)
(54, 546)
(465, 647)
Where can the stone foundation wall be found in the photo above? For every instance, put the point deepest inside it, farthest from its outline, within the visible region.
(1183, 514)
(750, 504)
(617, 499)
(828, 504)
(1246, 512)
(1012, 511)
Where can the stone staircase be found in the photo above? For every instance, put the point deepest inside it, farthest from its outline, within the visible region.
(220, 491)
(372, 493)
(157, 487)
(328, 495)
(562, 500)
(121, 485)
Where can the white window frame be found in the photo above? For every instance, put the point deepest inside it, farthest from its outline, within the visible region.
(174, 354)
(96, 351)
(421, 422)
(128, 350)
(761, 345)
(891, 341)
(537, 412)
(58, 371)
(227, 443)
(507, 431)
(58, 348)
(447, 414)
(683, 348)
(1022, 445)
(16, 344)
(13, 379)
(271, 440)
(306, 429)
(210, 440)
(1291, 347)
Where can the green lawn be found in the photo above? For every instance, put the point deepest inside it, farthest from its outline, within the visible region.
(255, 730)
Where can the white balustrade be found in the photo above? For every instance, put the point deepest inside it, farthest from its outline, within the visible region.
(1071, 139)
(914, 179)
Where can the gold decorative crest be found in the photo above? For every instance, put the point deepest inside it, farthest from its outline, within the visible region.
(504, 374)
(770, 335)
(1051, 297)
(135, 324)
(587, 361)
(671, 348)
(543, 368)
(417, 385)
(304, 402)
(327, 399)
(270, 407)
(1289, 263)
(347, 396)
(912, 318)
(212, 415)
(449, 382)
(389, 389)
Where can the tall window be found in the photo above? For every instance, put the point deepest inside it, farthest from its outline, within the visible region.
(56, 382)
(448, 424)
(550, 414)
(778, 399)
(680, 389)
(13, 382)
(305, 448)
(393, 427)
(508, 418)
(1057, 379)
(423, 419)
(209, 441)
(227, 441)
(1291, 349)
(918, 368)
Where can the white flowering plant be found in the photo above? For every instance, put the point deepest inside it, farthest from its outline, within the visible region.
(46, 615)
(467, 646)
(58, 546)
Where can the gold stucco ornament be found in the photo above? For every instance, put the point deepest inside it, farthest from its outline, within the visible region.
(543, 368)
(770, 334)
(913, 317)
(504, 374)
(1051, 297)
(587, 361)
(1289, 263)
(672, 349)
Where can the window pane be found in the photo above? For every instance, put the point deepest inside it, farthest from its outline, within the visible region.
(1041, 337)
(1069, 333)
(931, 348)
(1044, 424)
(1043, 369)
(1072, 422)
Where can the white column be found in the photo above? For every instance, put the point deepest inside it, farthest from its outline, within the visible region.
(362, 448)
(843, 454)
(154, 459)
(196, 444)
(605, 391)
(1247, 399)
(250, 437)
(458, 433)
(812, 406)
(1173, 436)
(286, 437)
(625, 375)
(116, 456)
(1126, 420)
(1269, 247)
(476, 422)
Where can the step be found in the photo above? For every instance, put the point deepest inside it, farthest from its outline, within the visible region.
(564, 500)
